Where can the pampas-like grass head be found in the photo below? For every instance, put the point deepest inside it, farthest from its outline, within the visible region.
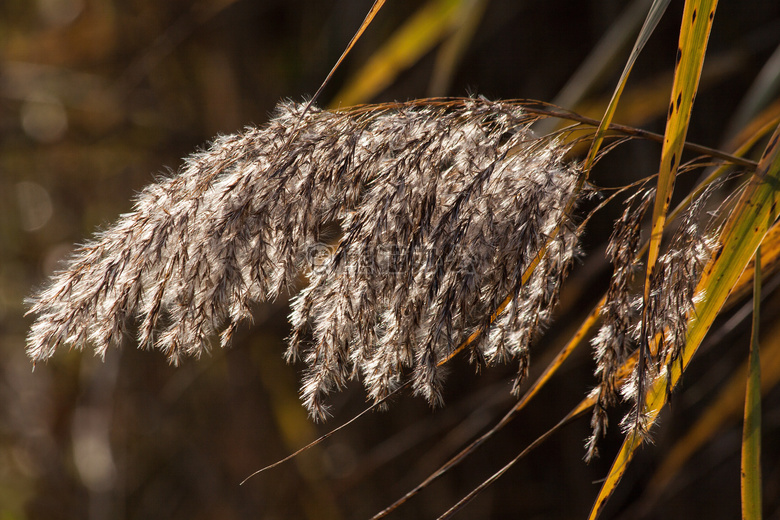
(441, 206)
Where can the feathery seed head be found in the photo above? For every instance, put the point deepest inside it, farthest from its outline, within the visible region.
(441, 210)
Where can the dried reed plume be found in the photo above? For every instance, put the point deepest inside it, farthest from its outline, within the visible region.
(441, 206)
(669, 305)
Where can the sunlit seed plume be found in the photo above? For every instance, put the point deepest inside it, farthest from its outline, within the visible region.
(671, 303)
(441, 206)
(617, 336)
(669, 307)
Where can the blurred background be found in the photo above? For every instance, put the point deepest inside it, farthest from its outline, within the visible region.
(97, 97)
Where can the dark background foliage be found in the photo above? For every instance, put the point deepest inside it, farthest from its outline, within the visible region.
(98, 95)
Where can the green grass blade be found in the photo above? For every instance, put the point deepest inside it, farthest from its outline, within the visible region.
(723, 410)
(751, 431)
(756, 211)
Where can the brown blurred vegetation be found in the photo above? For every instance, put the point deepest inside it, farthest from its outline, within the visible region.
(98, 95)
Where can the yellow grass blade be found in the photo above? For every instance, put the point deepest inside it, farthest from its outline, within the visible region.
(601, 60)
(451, 50)
(653, 17)
(377, 5)
(756, 211)
(416, 37)
(646, 101)
(760, 94)
(770, 263)
(751, 431)
(757, 128)
(694, 34)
